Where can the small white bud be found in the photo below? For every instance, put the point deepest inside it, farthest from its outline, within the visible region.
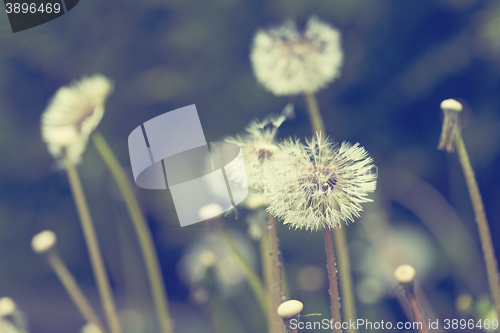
(451, 105)
(404, 274)
(211, 210)
(7, 306)
(91, 328)
(43, 241)
(290, 308)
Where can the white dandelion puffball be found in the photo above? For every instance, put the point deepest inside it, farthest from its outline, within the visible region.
(72, 114)
(318, 185)
(287, 62)
(257, 146)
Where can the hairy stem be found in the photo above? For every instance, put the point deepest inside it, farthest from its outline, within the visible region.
(95, 255)
(348, 301)
(142, 231)
(482, 223)
(277, 283)
(75, 293)
(415, 308)
(332, 279)
(267, 271)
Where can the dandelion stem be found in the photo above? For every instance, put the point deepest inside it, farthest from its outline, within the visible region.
(215, 316)
(349, 304)
(76, 294)
(277, 283)
(253, 279)
(416, 310)
(332, 278)
(482, 223)
(267, 271)
(142, 231)
(96, 260)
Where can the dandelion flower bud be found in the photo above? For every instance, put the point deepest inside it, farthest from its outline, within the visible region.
(7, 306)
(405, 274)
(318, 185)
(451, 104)
(290, 309)
(43, 242)
(451, 124)
(91, 328)
(73, 114)
(287, 62)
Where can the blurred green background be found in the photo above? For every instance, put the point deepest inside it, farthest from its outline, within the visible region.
(402, 58)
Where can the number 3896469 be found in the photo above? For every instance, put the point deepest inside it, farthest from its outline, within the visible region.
(32, 8)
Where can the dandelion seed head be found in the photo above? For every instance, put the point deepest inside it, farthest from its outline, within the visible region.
(288, 62)
(317, 185)
(73, 114)
(256, 147)
(43, 241)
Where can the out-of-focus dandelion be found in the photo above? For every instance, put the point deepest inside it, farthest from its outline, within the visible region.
(91, 328)
(405, 275)
(12, 320)
(7, 306)
(317, 185)
(8, 327)
(210, 254)
(44, 243)
(72, 114)
(450, 139)
(257, 146)
(257, 224)
(288, 62)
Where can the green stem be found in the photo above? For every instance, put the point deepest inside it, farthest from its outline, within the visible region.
(76, 294)
(482, 223)
(253, 279)
(89, 234)
(348, 301)
(144, 236)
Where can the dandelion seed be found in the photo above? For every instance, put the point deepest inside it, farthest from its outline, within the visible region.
(287, 62)
(72, 114)
(317, 185)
